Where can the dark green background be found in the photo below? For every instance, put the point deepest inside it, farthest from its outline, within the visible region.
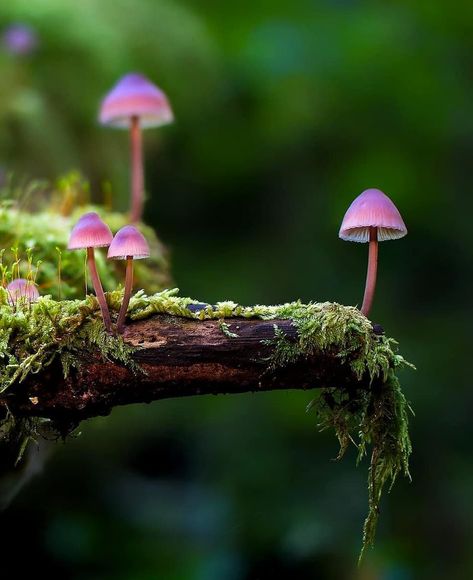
(285, 111)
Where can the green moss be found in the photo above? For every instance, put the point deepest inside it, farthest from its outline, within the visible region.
(375, 417)
(372, 413)
(33, 335)
(45, 233)
(226, 330)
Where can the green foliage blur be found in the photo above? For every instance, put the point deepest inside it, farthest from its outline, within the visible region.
(285, 111)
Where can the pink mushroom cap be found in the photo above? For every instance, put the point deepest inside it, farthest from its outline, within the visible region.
(89, 232)
(20, 39)
(21, 288)
(135, 96)
(372, 208)
(128, 241)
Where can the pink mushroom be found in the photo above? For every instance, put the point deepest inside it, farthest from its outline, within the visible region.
(372, 217)
(135, 102)
(21, 289)
(128, 244)
(91, 232)
(20, 39)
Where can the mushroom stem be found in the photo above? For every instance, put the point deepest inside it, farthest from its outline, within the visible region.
(137, 175)
(371, 273)
(98, 289)
(127, 294)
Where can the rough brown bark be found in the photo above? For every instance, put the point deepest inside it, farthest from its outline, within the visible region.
(178, 357)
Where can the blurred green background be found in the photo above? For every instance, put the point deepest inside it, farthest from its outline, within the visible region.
(285, 111)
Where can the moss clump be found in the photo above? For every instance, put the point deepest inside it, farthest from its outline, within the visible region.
(33, 335)
(376, 417)
(45, 233)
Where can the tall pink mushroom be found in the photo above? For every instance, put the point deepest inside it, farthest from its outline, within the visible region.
(372, 217)
(135, 102)
(21, 289)
(91, 232)
(128, 244)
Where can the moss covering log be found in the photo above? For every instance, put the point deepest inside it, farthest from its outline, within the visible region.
(60, 367)
(175, 357)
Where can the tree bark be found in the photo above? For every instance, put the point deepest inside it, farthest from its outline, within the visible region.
(177, 357)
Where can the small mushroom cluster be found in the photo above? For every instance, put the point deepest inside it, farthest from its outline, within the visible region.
(128, 244)
(134, 103)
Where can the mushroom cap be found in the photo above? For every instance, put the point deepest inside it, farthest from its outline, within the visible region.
(135, 96)
(89, 232)
(20, 39)
(372, 208)
(128, 241)
(21, 288)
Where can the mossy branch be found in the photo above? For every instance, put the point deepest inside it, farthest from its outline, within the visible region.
(60, 365)
(177, 357)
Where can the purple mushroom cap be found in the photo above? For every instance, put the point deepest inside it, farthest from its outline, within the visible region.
(135, 96)
(128, 241)
(372, 208)
(21, 288)
(89, 232)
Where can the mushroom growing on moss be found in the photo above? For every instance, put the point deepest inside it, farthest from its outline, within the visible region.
(22, 289)
(372, 217)
(128, 244)
(135, 102)
(91, 232)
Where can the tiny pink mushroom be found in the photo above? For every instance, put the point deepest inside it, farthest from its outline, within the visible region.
(372, 217)
(21, 289)
(91, 232)
(135, 102)
(128, 244)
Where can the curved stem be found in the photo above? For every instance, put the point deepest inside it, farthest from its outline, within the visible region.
(137, 175)
(371, 273)
(127, 295)
(98, 289)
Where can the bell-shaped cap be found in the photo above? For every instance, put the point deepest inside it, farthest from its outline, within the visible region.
(128, 241)
(135, 96)
(372, 208)
(22, 289)
(89, 232)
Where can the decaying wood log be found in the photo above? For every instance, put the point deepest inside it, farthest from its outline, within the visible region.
(177, 357)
